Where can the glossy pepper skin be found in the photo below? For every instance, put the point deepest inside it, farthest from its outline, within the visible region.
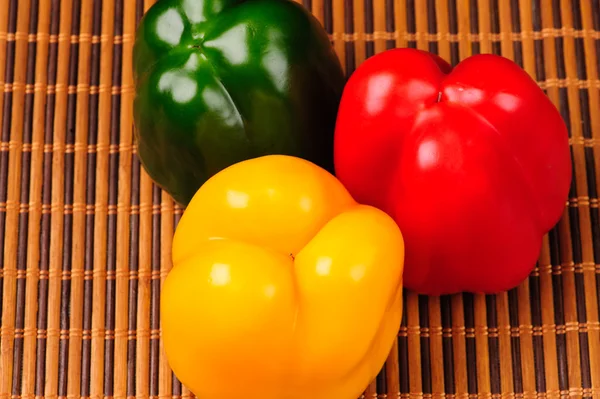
(221, 81)
(282, 282)
(473, 163)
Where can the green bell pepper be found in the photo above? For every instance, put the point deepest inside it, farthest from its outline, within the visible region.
(221, 81)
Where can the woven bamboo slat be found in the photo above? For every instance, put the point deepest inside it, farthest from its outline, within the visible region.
(85, 234)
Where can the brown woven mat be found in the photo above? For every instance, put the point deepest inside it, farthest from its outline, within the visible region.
(86, 236)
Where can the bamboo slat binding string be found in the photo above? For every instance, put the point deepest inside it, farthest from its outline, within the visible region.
(86, 235)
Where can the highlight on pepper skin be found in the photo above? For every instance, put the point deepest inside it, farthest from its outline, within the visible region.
(281, 279)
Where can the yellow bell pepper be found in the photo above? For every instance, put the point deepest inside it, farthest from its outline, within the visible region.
(282, 286)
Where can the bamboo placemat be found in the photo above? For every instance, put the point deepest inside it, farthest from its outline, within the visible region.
(86, 235)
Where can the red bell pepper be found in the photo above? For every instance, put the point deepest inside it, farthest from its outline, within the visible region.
(473, 163)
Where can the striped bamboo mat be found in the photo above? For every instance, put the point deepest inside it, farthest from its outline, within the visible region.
(86, 236)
